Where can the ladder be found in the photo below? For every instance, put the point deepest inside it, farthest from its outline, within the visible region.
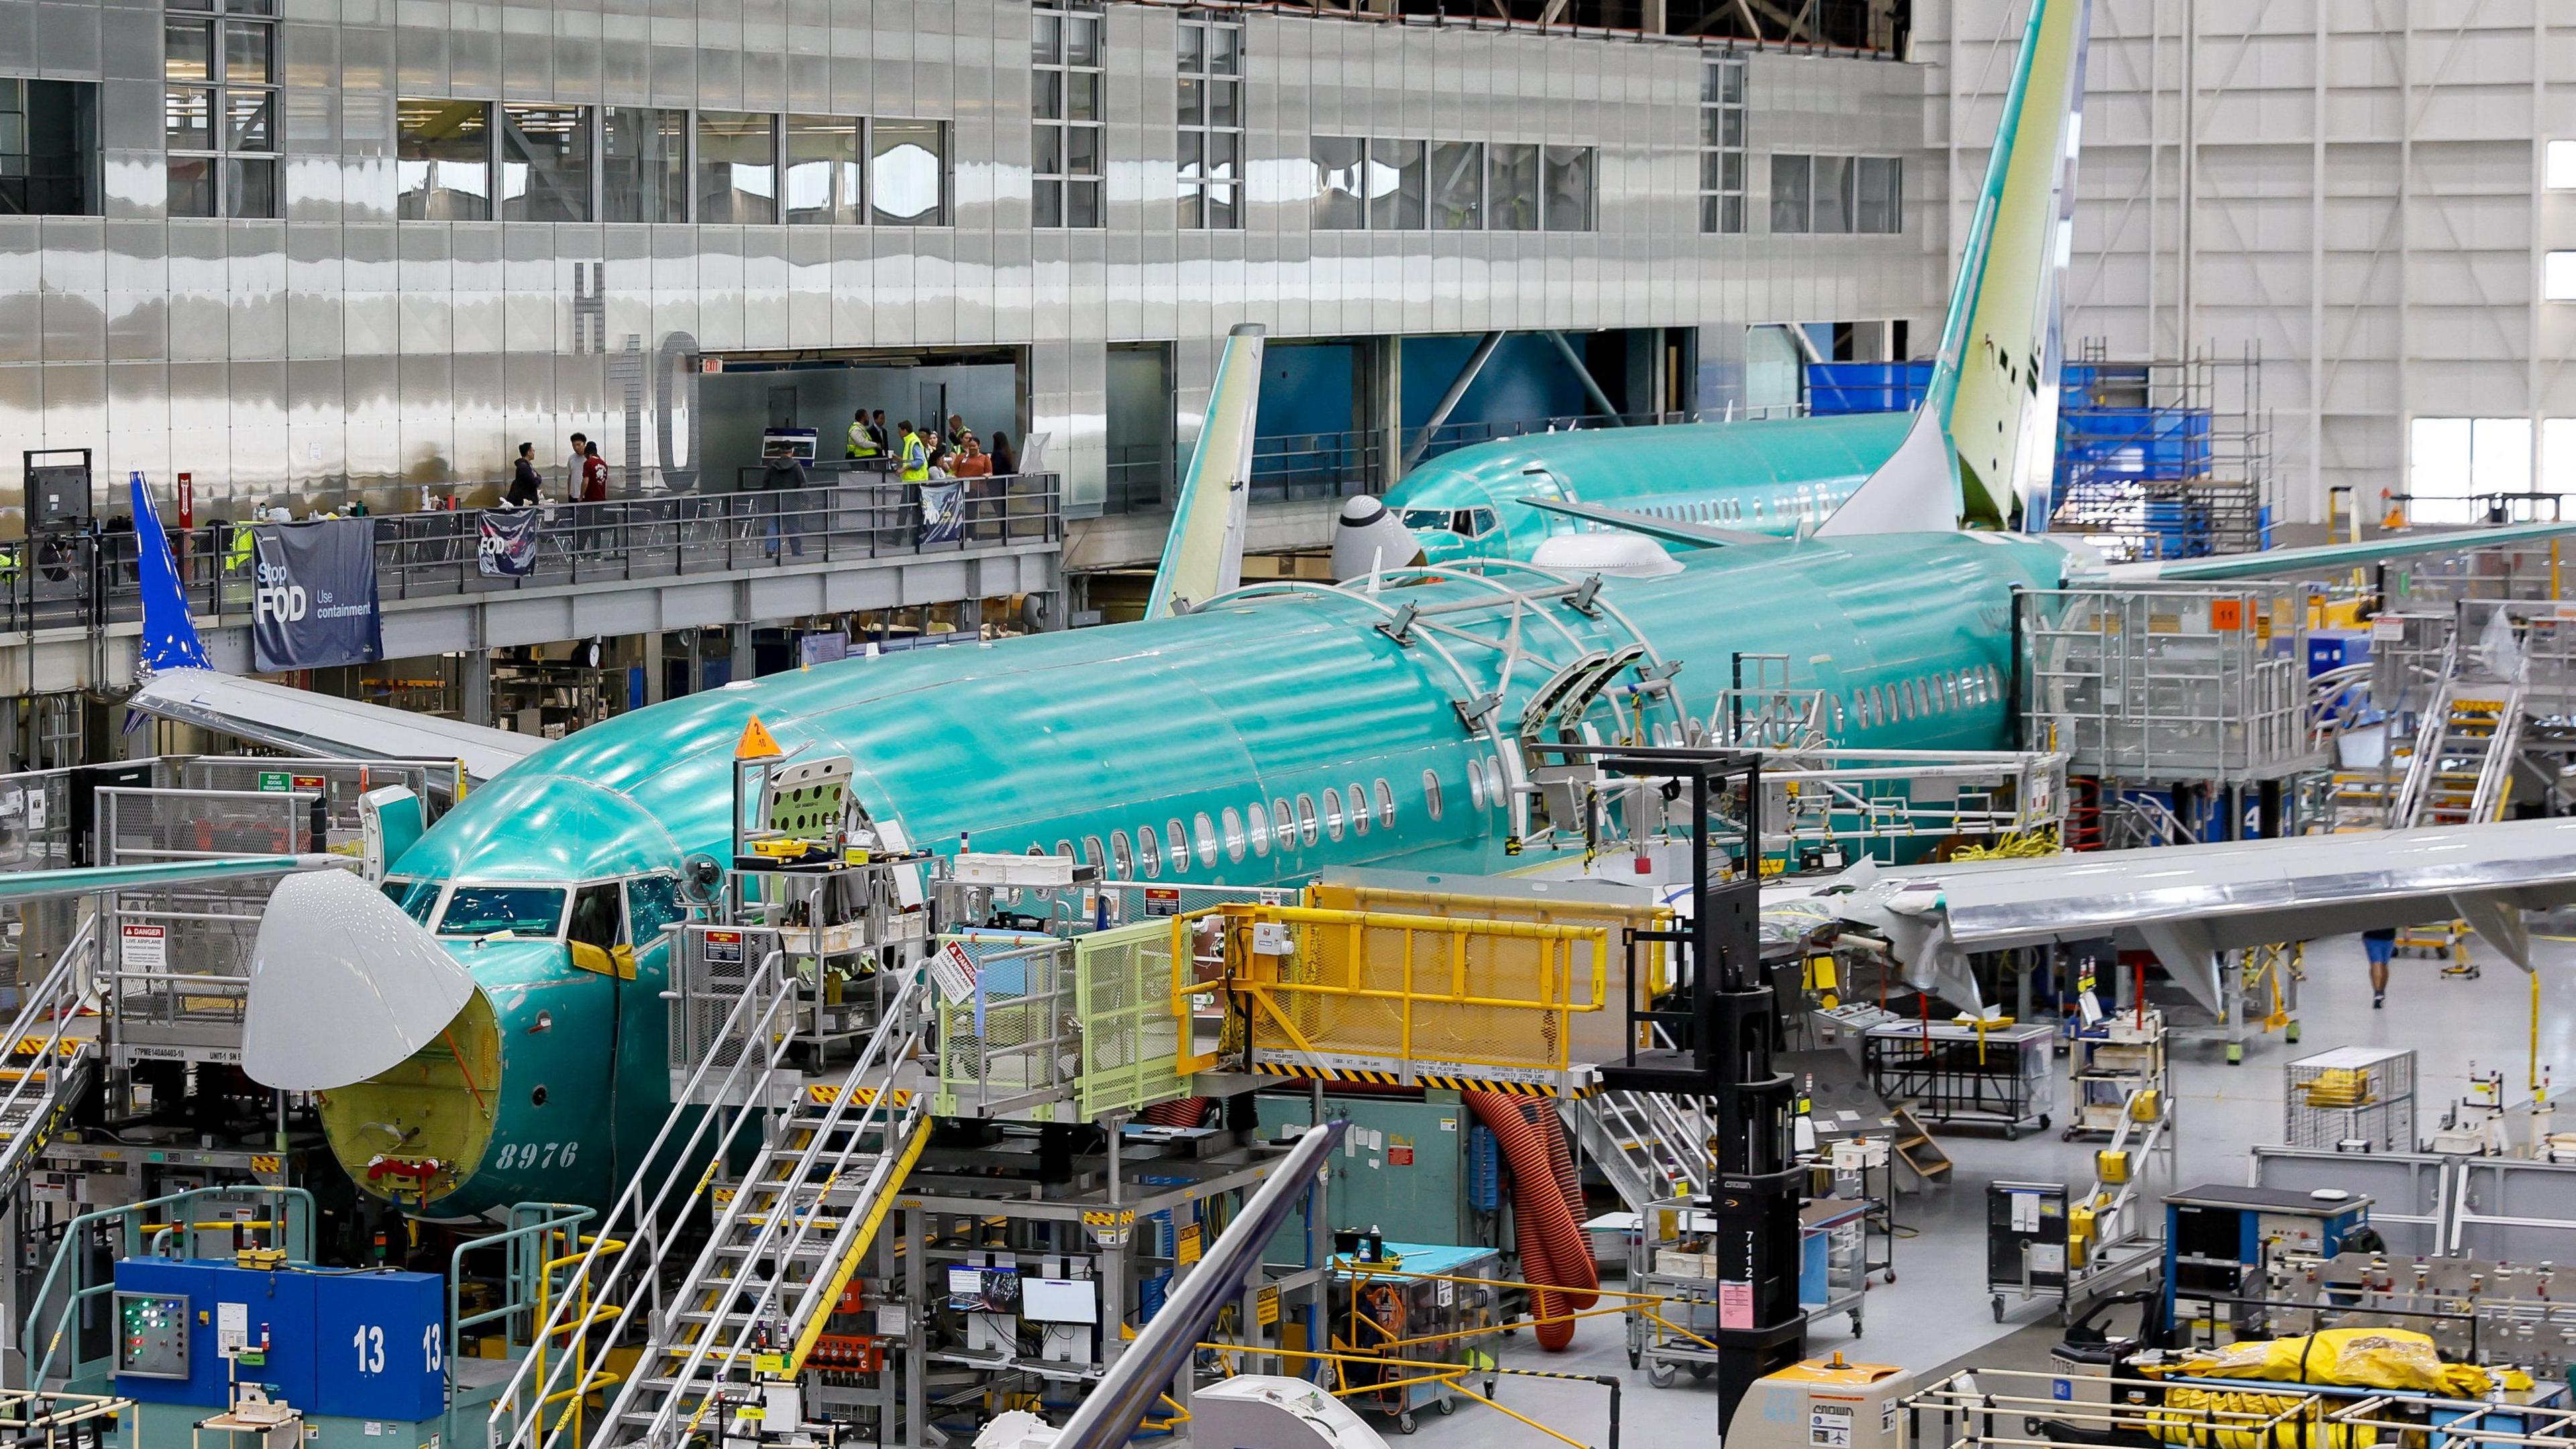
(2462, 772)
(790, 1236)
(47, 1059)
(1648, 1146)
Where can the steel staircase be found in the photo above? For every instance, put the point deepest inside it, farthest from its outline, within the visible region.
(1647, 1146)
(2462, 772)
(48, 1058)
(789, 1236)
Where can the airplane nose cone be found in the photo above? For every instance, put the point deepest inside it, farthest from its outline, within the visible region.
(343, 985)
(1370, 537)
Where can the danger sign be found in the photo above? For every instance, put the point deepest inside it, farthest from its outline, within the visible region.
(147, 948)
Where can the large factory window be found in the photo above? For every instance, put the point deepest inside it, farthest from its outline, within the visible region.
(1721, 139)
(1457, 186)
(1066, 115)
(1511, 187)
(1836, 194)
(2450, 460)
(48, 148)
(737, 168)
(219, 110)
(443, 161)
(1395, 185)
(1338, 162)
(823, 177)
(1880, 184)
(908, 172)
(644, 164)
(545, 163)
(1789, 180)
(1211, 125)
(1569, 188)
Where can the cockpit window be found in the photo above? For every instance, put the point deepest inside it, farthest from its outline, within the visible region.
(594, 916)
(652, 902)
(476, 910)
(1476, 522)
(1427, 518)
(414, 896)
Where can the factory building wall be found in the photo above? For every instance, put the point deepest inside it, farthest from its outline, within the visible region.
(2358, 188)
(333, 348)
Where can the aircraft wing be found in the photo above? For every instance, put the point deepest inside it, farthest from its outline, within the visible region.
(1689, 535)
(2188, 903)
(32, 885)
(317, 724)
(2334, 555)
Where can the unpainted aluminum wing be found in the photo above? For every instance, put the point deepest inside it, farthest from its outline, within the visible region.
(317, 724)
(31, 885)
(343, 986)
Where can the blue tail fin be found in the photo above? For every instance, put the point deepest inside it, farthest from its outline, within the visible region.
(169, 636)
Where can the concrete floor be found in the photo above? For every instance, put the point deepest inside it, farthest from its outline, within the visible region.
(1936, 1313)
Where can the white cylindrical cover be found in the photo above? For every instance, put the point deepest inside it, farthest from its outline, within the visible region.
(343, 985)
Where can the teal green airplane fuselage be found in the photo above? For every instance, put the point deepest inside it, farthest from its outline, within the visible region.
(1188, 727)
(1752, 477)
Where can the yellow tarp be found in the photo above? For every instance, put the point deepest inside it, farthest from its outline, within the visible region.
(2370, 1358)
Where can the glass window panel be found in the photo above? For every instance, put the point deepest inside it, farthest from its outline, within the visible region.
(1225, 50)
(1082, 40)
(1046, 95)
(1082, 203)
(188, 49)
(1712, 170)
(1193, 155)
(250, 120)
(1511, 187)
(1193, 102)
(2500, 455)
(1457, 186)
(1082, 95)
(192, 186)
(1220, 206)
(250, 188)
(1082, 150)
(1789, 176)
(2438, 470)
(1731, 83)
(2558, 455)
(545, 163)
(1046, 39)
(1046, 150)
(737, 169)
(1222, 147)
(644, 164)
(247, 51)
(1569, 188)
(1046, 202)
(442, 161)
(823, 171)
(1337, 164)
(2559, 168)
(1730, 174)
(2558, 277)
(1712, 213)
(908, 173)
(1192, 48)
(1832, 195)
(1221, 103)
(1193, 206)
(188, 118)
(1395, 185)
(1881, 192)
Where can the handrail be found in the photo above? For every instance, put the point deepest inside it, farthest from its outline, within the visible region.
(298, 1249)
(882, 1052)
(59, 995)
(560, 1216)
(630, 1206)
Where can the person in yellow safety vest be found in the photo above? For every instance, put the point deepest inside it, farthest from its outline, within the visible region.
(863, 443)
(916, 455)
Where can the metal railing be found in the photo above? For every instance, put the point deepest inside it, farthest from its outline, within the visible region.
(87, 578)
(35, 1094)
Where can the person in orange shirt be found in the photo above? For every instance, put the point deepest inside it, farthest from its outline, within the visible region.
(971, 461)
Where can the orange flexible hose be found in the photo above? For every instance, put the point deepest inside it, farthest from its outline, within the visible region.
(1178, 1112)
(1546, 1230)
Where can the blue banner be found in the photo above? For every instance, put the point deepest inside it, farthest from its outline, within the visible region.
(506, 546)
(315, 607)
(943, 512)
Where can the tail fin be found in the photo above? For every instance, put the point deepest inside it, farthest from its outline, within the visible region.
(169, 636)
(1995, 381)
(1203, 557)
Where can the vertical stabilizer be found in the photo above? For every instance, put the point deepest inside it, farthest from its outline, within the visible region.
(1203, 557)
(169, 636)
(1995, 382)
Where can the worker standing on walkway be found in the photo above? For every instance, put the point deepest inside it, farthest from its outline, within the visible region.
(863, 442)
(2380, 945)
(916, 455)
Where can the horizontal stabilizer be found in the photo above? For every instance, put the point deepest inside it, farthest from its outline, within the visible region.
(2332, 555)
(1689, 535)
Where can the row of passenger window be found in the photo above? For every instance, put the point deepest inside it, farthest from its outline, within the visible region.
(1254, 830)
(1926, 695)
(1806, 502)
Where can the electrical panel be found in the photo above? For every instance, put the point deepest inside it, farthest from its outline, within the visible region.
(152, 1335)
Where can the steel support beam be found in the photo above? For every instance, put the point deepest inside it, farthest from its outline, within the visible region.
(1458, 386)
(1582, 374)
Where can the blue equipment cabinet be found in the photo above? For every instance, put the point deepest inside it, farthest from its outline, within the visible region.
(365, 1345)
(378, 1345)
(2217, 1238)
